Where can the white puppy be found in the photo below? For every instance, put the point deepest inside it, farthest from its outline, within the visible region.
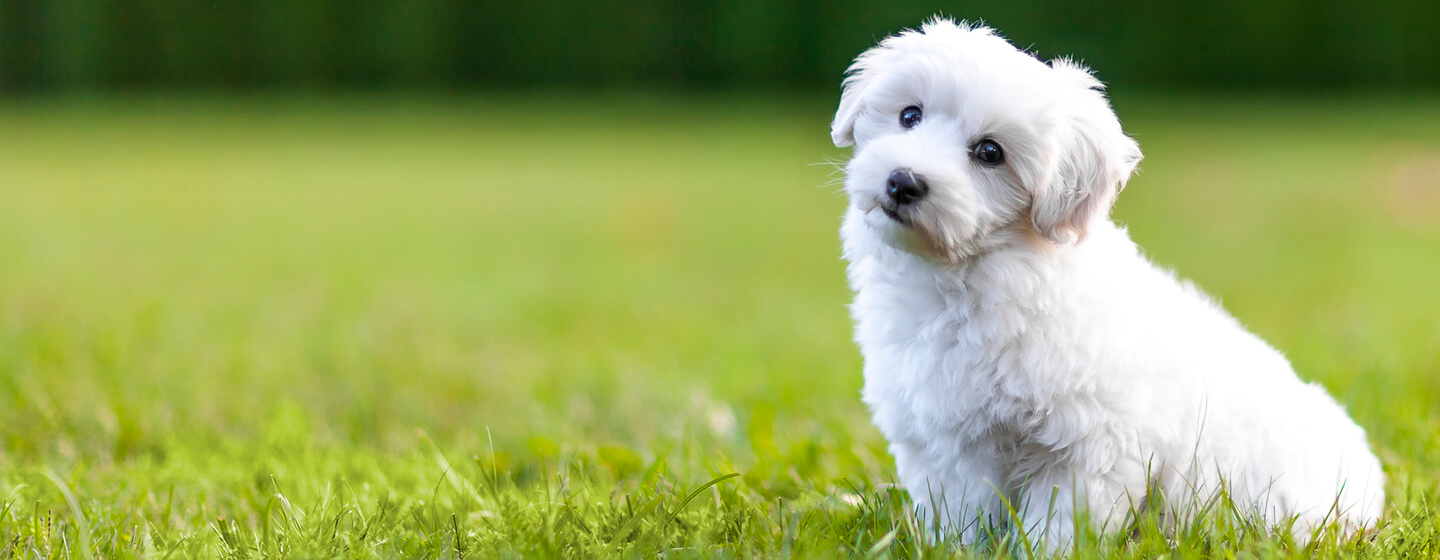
(1020, 352)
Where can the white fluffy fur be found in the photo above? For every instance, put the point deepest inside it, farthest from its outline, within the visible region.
(1018, 346)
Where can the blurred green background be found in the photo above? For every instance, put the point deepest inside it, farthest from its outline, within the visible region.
(87, 45)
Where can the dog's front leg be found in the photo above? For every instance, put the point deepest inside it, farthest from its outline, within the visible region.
(955, 494)
(1046, 512)
(1054, 506)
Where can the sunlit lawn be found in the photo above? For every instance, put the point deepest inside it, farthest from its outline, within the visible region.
(532, 326)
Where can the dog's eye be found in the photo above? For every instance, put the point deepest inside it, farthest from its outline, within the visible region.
(909, 117)
(988, 152)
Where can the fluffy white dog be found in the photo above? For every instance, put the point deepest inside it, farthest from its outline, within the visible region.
(1020, 352)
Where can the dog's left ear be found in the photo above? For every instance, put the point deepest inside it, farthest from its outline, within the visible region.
(1090, 160)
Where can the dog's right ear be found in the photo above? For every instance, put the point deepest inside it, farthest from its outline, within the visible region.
(852, 96)
(843, 130)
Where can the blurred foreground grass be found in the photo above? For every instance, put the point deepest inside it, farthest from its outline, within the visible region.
(376, 327)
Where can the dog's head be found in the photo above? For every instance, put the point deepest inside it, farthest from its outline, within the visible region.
(964, 143)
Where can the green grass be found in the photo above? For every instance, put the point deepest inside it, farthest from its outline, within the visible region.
(505, 327)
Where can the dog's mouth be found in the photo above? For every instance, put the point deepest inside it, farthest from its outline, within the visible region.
(894, 214)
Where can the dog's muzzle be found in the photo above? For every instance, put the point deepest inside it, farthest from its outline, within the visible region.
(903, 188)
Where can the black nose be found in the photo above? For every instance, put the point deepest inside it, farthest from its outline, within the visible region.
(904, 186)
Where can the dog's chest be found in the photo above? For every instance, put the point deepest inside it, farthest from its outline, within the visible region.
(941, 360)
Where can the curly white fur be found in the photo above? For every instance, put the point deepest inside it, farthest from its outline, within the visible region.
(1020, 351)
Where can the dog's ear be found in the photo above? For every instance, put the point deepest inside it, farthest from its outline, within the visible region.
(852, 94)
(1090, 160)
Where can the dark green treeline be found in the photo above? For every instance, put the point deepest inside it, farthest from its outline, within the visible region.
(88, 45)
